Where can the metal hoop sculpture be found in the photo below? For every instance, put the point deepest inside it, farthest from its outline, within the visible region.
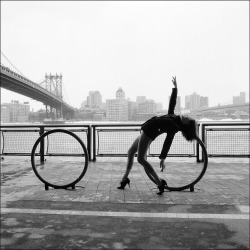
(190, 185)
(84, 157)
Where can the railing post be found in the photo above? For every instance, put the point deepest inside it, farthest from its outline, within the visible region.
(2, 144)
(41, 145)
(94, 142)
(198, 148)
(203, 138)
(89, 141)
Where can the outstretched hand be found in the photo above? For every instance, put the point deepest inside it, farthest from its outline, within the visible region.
(174, 81)
(162, 164)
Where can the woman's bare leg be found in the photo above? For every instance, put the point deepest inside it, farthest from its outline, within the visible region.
(143, 146)
(131, 153)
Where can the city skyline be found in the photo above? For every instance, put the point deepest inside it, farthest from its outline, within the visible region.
(123, 109)
(241, 96)
(37, 105)
(183, 102)
(137, 45)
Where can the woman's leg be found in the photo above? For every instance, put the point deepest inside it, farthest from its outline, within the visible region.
(143, 146)
(131, 153)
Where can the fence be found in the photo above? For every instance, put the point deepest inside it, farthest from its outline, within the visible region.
(220, 139)
(226, 139)
(115, 140)
(19, 140)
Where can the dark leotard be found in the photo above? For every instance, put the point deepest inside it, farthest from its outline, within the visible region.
(169, 124)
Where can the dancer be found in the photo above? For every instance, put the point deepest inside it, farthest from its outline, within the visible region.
(170, 124)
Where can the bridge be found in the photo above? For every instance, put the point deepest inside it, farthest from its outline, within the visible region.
(15, 82)
(235, 110)
(226, 107)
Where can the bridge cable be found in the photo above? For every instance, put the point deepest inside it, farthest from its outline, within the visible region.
(66, 98)
(14, 66)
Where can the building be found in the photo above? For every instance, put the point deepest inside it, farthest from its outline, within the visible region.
(99, 116)
(94, 100)
(204, 102)
(140, 99)
(145, 110)
(83, 104)
(117, 109)
(18, 112)
(187, 102)
(132, 110)
(147, 107)
(159, 107)
(5, 114)
(38, 116)
(142, 116)
(120, 94)
(239, 99)
(195, 101)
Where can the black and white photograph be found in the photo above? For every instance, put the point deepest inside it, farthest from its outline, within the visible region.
(124, 124)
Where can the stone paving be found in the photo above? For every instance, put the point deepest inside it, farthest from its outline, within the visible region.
(96, 215)
(226, 182)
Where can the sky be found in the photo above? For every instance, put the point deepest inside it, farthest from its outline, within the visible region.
(135, 45)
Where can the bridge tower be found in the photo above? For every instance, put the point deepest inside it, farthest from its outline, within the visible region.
(53, 83)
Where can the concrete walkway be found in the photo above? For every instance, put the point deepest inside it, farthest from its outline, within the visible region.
(96, 215)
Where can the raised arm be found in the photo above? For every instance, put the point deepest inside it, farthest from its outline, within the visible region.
(173, 97)
(174, 81)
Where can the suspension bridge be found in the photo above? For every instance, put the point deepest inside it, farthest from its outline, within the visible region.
(240, 110)
(49, 91)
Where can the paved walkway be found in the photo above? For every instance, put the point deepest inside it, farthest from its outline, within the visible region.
(96, 215)
(225, 183)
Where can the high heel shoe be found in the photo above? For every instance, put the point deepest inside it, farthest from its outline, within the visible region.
(162, 186)
(124, 183)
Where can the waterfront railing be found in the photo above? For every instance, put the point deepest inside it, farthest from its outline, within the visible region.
(226, 139)
(18, 140)
(116, 139)
(113, 140)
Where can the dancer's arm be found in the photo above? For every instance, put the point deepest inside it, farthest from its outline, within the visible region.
(173, 97)
(166, 146)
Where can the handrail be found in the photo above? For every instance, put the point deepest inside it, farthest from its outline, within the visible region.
(110, 127)
(239, 125)
(92, 129)
(41, 129)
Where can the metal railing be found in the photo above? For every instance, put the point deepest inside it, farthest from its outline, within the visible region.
(18, 140)
(226, 139)
(116, 139)
(220, 139)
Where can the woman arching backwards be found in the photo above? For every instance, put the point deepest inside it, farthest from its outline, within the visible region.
(170, 124)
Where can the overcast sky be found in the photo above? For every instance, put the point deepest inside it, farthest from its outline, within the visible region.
(139, 46)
